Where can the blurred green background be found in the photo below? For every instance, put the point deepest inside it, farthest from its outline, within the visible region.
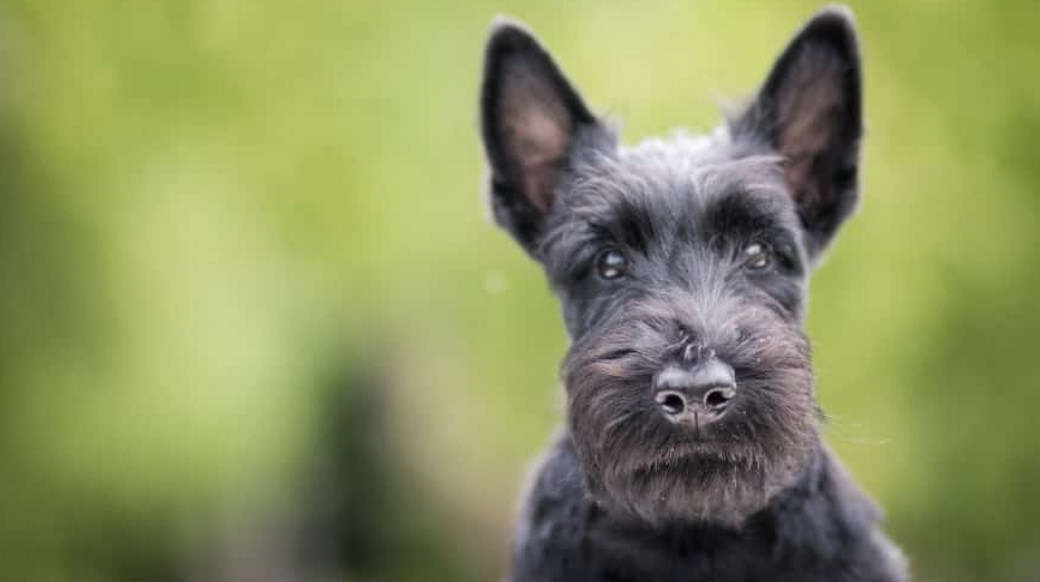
(255, 324)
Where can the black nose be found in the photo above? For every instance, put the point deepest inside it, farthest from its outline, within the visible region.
(699, 395)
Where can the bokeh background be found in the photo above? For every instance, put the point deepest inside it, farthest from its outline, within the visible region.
(255, 323)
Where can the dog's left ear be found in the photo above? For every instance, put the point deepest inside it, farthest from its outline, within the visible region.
(809, 111)
(531, 119)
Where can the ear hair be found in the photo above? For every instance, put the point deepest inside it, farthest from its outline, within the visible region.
(530, 119)
(809, 111)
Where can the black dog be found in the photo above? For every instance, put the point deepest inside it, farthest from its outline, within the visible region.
(692, 449)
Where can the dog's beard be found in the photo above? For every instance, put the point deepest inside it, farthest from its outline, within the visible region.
(639, 464)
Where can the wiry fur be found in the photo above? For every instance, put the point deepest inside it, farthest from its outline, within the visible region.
(638, 462)
(627, 493)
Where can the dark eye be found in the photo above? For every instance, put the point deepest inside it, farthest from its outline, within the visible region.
(611, 264)
(757, 257)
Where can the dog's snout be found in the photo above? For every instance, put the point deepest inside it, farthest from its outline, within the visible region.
(699, 395)
(707, 381)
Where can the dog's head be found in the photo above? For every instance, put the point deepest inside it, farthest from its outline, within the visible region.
(682, 266)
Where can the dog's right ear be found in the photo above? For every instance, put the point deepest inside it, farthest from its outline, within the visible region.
(810, 112)
(530, 118)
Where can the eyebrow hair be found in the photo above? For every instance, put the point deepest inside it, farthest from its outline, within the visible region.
(758, 215)
(632, 223)
(741, 211)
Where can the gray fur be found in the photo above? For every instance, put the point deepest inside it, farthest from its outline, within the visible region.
(708, 243)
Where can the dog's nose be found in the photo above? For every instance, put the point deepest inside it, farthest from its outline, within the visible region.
(699, 395)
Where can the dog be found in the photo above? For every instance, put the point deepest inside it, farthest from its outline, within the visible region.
(692, 447)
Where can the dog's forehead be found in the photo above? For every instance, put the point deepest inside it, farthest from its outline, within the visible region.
(679, 179)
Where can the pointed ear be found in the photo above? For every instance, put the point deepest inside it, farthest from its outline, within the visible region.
(530, 118)
(809, 111)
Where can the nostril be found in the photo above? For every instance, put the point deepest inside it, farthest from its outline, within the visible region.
(718, 397)
(671, 402)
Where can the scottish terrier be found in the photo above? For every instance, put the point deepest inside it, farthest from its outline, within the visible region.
(692, 448)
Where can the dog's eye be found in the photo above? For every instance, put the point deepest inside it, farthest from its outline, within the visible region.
(611, 264)
(757, 257)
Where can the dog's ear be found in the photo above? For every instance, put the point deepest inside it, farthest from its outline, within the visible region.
(809, 111)
(530, 119)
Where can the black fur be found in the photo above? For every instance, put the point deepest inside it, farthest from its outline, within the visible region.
(716, 237)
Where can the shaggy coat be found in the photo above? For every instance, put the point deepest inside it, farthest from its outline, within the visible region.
(677, 260)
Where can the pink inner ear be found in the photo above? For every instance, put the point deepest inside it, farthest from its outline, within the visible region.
(537, 133)
(809, 108)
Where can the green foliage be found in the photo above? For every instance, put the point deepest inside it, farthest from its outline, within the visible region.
(210, 205)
